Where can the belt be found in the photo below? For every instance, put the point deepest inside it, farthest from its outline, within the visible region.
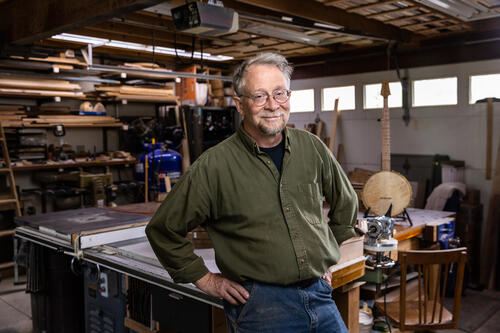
(304, 283)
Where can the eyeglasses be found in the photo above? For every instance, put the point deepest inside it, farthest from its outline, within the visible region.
(261, 98)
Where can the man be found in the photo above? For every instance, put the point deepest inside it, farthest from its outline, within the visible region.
(259, 194)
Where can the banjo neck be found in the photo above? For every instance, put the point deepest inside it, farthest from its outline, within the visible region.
(386, 134)
(386, 188)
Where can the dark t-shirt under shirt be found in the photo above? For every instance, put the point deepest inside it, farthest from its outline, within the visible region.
(276, 153)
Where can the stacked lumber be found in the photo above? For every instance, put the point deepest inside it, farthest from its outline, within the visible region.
(29, 87)
(69, 62)
(137, 94)
(71, 121)
(49, 120)
(150, 68)
(359, 175)
(142, 65)
(11, 113)
(358, 178)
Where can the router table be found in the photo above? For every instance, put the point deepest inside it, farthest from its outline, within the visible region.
(115, 239)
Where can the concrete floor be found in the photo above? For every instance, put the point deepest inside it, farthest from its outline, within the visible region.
(15, 310)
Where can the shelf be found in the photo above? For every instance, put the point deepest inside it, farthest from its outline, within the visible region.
(6, 265)
(72, 165)
(5, 233)
(48, 125)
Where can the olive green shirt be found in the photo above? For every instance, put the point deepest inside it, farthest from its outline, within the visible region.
(265, 225)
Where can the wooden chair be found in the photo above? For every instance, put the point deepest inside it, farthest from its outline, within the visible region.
(423, 308)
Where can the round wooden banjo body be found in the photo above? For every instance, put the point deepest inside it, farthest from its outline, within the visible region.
(386, 187)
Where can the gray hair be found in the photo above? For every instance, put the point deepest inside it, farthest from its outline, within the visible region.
(261, 59)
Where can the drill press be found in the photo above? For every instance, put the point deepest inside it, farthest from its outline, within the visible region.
(378, 241)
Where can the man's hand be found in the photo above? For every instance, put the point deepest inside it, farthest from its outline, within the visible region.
(328, 275)
(218, 286)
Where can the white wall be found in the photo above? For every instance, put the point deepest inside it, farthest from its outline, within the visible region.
(458, 131)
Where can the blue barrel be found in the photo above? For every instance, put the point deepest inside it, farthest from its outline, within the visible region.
(161, 161)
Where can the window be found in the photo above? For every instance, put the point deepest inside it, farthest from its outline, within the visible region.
(484, 86)
(302, 100)
(344, 94)
(373, 99)
(435, 92)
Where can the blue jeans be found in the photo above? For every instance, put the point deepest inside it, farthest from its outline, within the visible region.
(289, 309)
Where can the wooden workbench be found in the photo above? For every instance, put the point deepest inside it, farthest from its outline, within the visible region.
(350, 268)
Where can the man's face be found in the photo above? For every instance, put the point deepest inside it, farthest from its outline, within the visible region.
(269, 119)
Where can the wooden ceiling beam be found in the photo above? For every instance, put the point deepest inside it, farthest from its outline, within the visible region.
(371, 5)
(333, 3)
(27, 21)
(413, 17)
(436, 29)
(394, 11)
(436, 23)
(318, 12)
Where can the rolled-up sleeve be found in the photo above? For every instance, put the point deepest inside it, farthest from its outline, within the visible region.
(185, 207)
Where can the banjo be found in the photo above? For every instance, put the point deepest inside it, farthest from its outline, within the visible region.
(386, 187)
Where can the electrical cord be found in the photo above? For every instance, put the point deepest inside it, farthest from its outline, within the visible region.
(177, 57)
(201, 54)
(394, 269)
(385, 305)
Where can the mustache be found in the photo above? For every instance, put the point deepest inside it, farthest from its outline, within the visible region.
(272, 114)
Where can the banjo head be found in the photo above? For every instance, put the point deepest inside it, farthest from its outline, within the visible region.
(384, 188)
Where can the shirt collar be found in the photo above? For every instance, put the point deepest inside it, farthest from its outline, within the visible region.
(252, 146)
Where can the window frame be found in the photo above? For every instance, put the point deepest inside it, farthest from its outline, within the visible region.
(380, 108)
(470, 86)
(343, 86)
(313, 101)
(413, 92)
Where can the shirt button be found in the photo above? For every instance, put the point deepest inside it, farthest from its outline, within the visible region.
(287, 209)
(301, 261)
(268, 162)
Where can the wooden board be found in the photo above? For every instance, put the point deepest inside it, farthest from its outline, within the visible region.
(489, 137)
(57, 60)
(60, 119)
(36, 167)
(40, 93)
(148, 208)
(348, 274)
(131, 90)
(490, 247)
(145, 98)
(16, 124)
(348, 306)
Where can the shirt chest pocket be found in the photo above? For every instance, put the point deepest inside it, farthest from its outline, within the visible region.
(310, 203)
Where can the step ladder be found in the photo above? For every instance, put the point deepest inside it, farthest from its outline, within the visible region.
(6, 168)
(10, 203)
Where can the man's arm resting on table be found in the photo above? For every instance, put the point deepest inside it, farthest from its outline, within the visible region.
(218, 286)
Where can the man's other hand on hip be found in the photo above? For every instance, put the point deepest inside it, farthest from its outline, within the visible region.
(218, 286)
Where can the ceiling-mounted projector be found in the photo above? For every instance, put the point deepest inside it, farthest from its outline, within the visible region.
(205, 19)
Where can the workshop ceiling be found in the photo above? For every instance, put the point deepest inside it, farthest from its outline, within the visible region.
(308, 32)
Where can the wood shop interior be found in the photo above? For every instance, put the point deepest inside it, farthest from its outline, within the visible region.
(104, 105)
